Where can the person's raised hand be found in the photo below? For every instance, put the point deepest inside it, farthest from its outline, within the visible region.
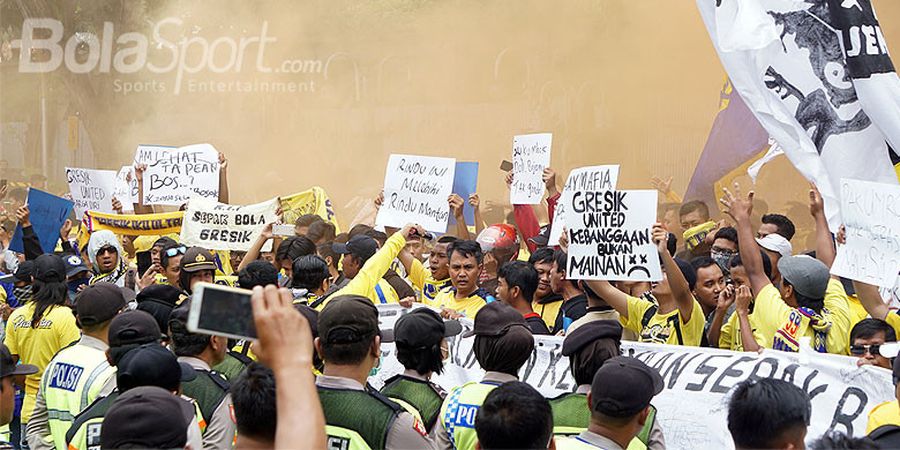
(223, 161)
(549, 177)
(450, 314)
(564, 240)
(23, 216)
(379, 199)
(117, 206)
(406, 302)
(285, 338)
(737, 206)
(663, 186)
(474, 200)
(725, 298)
(412, 231)
(65, 230)
(711, 236)
(816, 203)
(149, 277)
(742, 298)
(841, 236)
(509, 179)
(456, 205)
(267, 231)
(661, 237)
(139, 171)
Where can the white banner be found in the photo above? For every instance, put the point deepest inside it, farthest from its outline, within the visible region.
(217, 226)
(181, 174)
(592, 178)
(787, 63)
(693, 407)
(91, 189)
(149, 153)
(530, 156)
(416, 189)
(871, 213)
(610, 236)
(126, 188)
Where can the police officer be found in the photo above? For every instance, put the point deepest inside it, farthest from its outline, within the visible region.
(75, 376)
(8, 371)
(587, 348)
(357, 416)
(503, 343)
(620, 398)
(210, 388)
(421, 346)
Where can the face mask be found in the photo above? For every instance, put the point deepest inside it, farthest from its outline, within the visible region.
(23, 294)
(377, 367)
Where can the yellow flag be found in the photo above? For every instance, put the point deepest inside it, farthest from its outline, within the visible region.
(312, 201)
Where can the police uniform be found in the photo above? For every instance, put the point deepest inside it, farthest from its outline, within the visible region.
(210, 390)
(417, 395)
(455, 427)
(590, 441)
(360, 418)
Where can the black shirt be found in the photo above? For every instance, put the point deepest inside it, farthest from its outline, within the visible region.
(536, 324)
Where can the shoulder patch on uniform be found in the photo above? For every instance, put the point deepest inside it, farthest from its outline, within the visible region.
(231, 410)
(419, 427)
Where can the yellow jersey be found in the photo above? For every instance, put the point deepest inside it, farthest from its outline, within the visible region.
(650, 325)
(37, 346)
(422, 280)
(468, 306)
(368, 282)
(887, 413)
(549, 309)
(782, 326)
(730, 336)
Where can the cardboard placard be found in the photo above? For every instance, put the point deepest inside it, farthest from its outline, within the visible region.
(47, 213)
(91, 189)
(416, 189)
(871, 216)
(530, 156)
(218, 226)
(592, 178)
(181, 174)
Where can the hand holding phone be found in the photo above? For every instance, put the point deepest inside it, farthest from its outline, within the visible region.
(281, 229)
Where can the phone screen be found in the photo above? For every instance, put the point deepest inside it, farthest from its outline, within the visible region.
(227, 311)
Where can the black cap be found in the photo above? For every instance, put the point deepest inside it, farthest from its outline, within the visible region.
(347, 319)
(49, 268)
(495, 319)
(133, 327)
(422, 328)
(590, 332)
(98, 303)
(161, 293)
(8, 367)
(74, 265)
(25, 271)
(886, 436)
(152, 365)
(147, 417)
(360, 246)
(196, 259)
(624, 386)
(543, 238)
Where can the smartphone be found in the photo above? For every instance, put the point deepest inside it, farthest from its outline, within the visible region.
(221, 311)
(281, 229)
(506, 166)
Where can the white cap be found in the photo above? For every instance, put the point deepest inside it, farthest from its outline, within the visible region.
(776, 243)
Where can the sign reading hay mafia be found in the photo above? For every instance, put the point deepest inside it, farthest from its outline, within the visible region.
(610, 235)
(593, 178)
(177, 175)
(530, 156)
(91, 189)
(871, 213)
(692, 409)
(217, 226)
(416, 189)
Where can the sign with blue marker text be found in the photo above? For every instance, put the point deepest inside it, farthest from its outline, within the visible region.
(47, 213)
(610, 236)
(180, 174)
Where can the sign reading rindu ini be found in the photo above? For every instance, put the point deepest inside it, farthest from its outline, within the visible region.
(416, 189)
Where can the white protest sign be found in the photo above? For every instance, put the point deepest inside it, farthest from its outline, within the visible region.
(149, 153)
(610, 236)
(593, 178)
(126, 188)
(217, 226)
(871, 215)
(181, 174)
(692, 409)
(531, 155)
(416, 189)
(91, 189)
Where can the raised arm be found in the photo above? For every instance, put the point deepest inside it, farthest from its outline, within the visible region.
(611, 295)
(871, 300)
(526, 219)
(457, 209)
(30, 241)
(681, 291)
(740, 208)
(475, 201)
(223, 178)
(140, 207)
(743, 296)
(253, 252)
(825, 250)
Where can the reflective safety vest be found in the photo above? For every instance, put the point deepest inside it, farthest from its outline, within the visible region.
(576, 443)
(459, 410)
(71, 382)
(423, 397)
(571, 416)
(84, 434)
(357, 420)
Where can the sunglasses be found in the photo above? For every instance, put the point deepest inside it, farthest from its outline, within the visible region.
(176, 251)
(859, 350)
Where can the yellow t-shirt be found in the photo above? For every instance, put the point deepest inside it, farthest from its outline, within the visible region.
(730, 336)
(37, 346)
(548, 311)
(857, 310)
(887, 413)
(423, 282)
(370, 276)
(893, 320)
(663, 328)
(782, 326)
(468, 306)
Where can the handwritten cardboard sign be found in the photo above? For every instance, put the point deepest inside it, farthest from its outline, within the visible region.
(150, 153)
(218, 226)
(416, 189)
(181, 174)
(592, 178)
(126, 188)
(91, 189)
(530, 156)
(610, 236)
(871, 215)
